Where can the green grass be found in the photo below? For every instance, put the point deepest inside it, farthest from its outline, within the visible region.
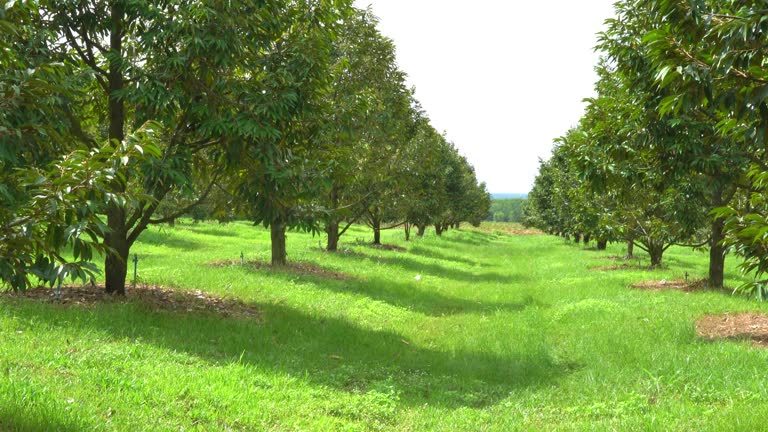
(501, 333)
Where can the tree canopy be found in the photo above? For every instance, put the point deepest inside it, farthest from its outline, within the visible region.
(117, 115)
(675, 136)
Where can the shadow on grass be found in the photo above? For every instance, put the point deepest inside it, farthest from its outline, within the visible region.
(212, 231)
(470, 238)
(403, 295)
(429, 302)
(682, 264)
(18, 419)
(411, 297)
(418, 267)
(429, 253)
(327, 351)
(168, 239)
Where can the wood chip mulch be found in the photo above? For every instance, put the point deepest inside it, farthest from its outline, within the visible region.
(155, 297)
(663, 284)
(304, 268)
(741, 326)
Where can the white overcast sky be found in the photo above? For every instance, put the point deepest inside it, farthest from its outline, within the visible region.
(502, 78)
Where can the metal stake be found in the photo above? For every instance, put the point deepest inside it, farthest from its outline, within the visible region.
(58, 290)
(135, 269)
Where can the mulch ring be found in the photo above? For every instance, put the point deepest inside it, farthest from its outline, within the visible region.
(663, 284)
(611, 257)
(303, 268)
(389, 247)
(625, 266)
(157, 298)
(742, 326)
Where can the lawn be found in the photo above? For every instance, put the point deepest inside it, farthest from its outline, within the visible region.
(477, 330)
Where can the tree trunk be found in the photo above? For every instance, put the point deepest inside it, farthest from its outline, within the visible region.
(577, 238)
(457, 225)
(377, 232)
(279, 255)
(656, 251)
(439, 229)
(630, 249)
(602, 244)
(333, 223)
(421, 229)
(716, 250)
(587, 238)
(333, 236)
(407, 228)
(116, 263)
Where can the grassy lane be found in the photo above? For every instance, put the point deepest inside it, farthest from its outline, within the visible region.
(471, 331)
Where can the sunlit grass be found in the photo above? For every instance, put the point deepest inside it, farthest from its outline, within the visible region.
(498, 333)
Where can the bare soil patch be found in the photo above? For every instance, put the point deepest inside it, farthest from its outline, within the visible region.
(663, 284)
(516, 231)
(303, 268)
(742, 326)
(155, 297)
(521, 231)
(508, 228)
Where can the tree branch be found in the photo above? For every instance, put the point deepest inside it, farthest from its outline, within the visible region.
(341, 233)
(394, 226)
(181, 212)
(640, 246)
(77, 129)
(87, 58)
(697, 245)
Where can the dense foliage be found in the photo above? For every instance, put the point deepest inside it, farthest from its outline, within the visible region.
(671, 150)
(507, 210)
(117, 115)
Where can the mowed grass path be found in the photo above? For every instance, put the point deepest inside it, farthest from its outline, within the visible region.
(500, 333)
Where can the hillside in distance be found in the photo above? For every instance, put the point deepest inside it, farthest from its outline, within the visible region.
(508, 195)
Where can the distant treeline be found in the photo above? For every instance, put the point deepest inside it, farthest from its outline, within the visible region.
(507, 210)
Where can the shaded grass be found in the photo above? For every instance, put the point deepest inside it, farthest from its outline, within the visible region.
(440, 256)
(500, 333)
(413, 266)
(282, 346)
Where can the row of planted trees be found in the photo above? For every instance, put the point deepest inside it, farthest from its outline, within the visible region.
(117, 115)
(672, 150)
